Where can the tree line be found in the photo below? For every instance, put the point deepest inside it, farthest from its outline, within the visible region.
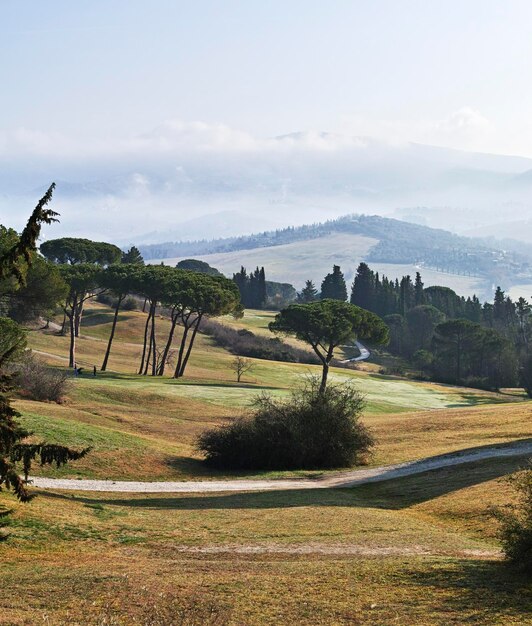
(447, 337)
(73, 271)
(18, 259)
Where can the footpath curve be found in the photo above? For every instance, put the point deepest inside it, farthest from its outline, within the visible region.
(335, 481)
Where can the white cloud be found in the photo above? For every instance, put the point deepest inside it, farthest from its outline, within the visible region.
(464, 129)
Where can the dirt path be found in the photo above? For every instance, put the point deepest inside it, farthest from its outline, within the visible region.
(333, 549)
(343, 480)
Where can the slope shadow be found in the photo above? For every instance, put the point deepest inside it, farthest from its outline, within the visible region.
(488, 592)
(393, 494)
(97, 318)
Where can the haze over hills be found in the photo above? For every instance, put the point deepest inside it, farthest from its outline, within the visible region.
(182, 181)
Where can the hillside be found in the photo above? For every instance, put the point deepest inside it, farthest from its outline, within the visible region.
(391, 246)
(295, 556)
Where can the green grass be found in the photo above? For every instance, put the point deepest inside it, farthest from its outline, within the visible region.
(418, 550)
(296, 262)
(400, 552)
(146, 427)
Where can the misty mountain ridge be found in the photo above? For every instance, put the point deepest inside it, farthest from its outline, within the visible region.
(288, 180)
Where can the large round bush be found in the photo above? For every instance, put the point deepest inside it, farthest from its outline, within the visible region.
(309, 430)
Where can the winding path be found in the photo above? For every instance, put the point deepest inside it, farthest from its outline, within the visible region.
(364, 353)
(343, 480)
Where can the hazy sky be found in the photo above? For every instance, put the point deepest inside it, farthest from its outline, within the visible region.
(455, 73)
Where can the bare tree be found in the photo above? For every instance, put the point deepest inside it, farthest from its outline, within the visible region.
(240, 366)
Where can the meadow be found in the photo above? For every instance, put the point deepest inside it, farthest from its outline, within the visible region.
(417, 550)
(297, 262)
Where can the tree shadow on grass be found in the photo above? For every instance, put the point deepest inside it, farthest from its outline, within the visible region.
(223, 385)
(480, 592)
(401, 493)
(97, 318)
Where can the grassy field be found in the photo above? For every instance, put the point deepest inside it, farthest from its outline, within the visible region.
(295, 262)
(405, 552)
(313, 259)
(419, 550)
(144, 427)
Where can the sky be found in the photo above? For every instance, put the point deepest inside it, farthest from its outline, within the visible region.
(453, 73)
(162, 110)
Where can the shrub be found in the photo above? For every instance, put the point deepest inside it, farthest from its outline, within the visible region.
(105, 298)
(516, 523)
(40, 382)
(245, 343)
(309, 430)
(129, 304)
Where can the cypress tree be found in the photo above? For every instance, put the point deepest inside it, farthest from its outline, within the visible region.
(333, 286)
(363, 289)
(419, 294)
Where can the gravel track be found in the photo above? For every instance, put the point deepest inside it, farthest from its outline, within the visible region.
(335, 481)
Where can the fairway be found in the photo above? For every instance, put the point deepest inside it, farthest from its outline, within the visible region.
(414, 550)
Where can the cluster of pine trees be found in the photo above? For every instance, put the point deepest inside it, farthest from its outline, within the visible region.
(252, 287)
(447, 337)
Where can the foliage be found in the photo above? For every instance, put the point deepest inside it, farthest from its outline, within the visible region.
(313, 429)
(39, 381)
(516, 523)
(526, 376)
(467, 352)
(309, 293)
(241, 366)
(245, 343)
(12, 341)
(11, 261)
(279, 295)
(333, 286)
(252, 287)
(194, 265)
(41, 294)
(326, 324)
(73, 250)
(132, 256)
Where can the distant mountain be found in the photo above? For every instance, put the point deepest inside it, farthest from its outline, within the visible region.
(217, 225)
(158, 185)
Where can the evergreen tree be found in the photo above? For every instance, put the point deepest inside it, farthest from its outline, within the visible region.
(252, 287)
(363, 288)
(333, 286)
(419, 294)
(16, 453)
(406, 295)
(132, 256)
(309, 293)
(499, 308)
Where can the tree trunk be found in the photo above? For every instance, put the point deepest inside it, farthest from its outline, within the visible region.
(197, 322)
(168, 344)
(154, 347)
(72, 354)
(324, 374)
(145, 341)
(63, 325)
(111, 336)
(78, 316)
(184, 319)
(147, 364)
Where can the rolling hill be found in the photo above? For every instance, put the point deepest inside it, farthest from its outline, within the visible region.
(390, 246)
